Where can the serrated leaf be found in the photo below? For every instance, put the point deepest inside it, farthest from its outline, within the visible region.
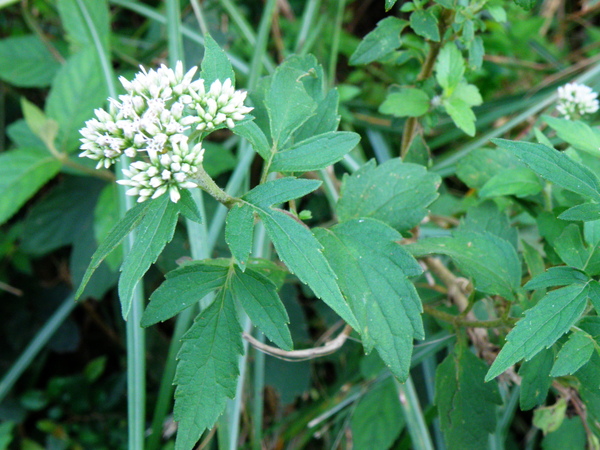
(487, 217)
(555, 166)
(461, 113)
(74, 16)
(449, 68)
(188, 206)
(182, 288)
(574, 353)
(468, 93)
(394, 192)
(215, 63)
(586, 212)
(466, 405)
(26, 62)
(258, 296)
(385, 38)
(407, 102)
(377, 420)
(519, 182)
(490, 261)
(22, 172)
(315, 153)
(373, 271)
(557, 276)
(571, 249)
(576, 133)
(535, 380)
(239, 230)
(280, 190)
(425, 24)
(154, 231)
(208, 369)
(324, 120)
(251, 131)
(478, 166)
(541, 327)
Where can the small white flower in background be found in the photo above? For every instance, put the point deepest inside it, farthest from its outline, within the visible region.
(150, 122)
(576, 100)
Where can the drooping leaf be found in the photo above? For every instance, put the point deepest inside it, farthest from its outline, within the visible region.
(574, 353)
(425, 24)
(258, 296)
(466, 405)
(373, 271)
(541, 327)
(215, 63)
(188, 207)
(26, 62)
(394, 192)
(86, 23)
(208, 369)
(519, 182)
(576, 133)
(154, 231)
(239, 230)
(408, 102)
(557, 276)
(184, 287)
(22, 172)
(379, 42)
(449, 68)
(535, 380)
(251, 131)
(555, 166)
(315, 153)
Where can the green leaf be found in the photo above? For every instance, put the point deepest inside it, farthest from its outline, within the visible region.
(377, 420)
(44, 128)
(480, 165)
(425, 24)
(373, 271)
(26, 62)
(251, 131)
(533, 259)
(394, 192)
(586, 212)
(527, 5)
(557, 276)
(490, 261)
(468, 93)
(555, 166)
(182, 288)
(74, 16)
(476, 53)
(215, 63)
(550, 418)
(280, 190)
(571, 433)
(208, 369)
(407, 102)
(121, 229)
(22, 172)
(574, 353)
(315, 153)
(571, 249)
(449, 68)
(106, 214)
(188, 207)
(379, 42)
(576, 133)
(153, 233)
(258, 296)
(389, 4)
(541, 327)
(535, 380)
(76, 91)
(461, 113)
(486, 216)
(519, 182)
(239, 230)
(466, 405)
(324, 120)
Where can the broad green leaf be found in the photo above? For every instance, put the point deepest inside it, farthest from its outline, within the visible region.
(76, 17)
(389, 4)
(466, 405)
(468, 93)
(251, 131)
(449, 68)
(571, 433)
(121, 229)
(182, 288)
(533, 259)
(77, 90)
(571, 249)
(550, 418)
(26, 62)
(490, 261)
(535, 380)
(215, 63)
(586, 212)
(22, 172)
(377, 420)
(394, 192)
(280, 190)
(574, 353)
(480, 165)
(575, 133)
(373, 270)
(258, 296)
(519, 182)
(589, 387)
(407, 102)
(541, 327)
(591, 232)
(208, 369)
(44, 128)
(557, 276)
(21, 135)
(476, 53)
(239, 231)
(555, 166)
(461, 113)
(425, 24)
(153, 233)
(487, 217)
(379, 42)
(315, 153)
(324, 120)
(188, 206)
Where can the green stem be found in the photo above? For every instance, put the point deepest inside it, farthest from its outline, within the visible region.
(208, 184)
(197, 7)
(415, 422)
(174, 41)
(460, 322)
(335, 42)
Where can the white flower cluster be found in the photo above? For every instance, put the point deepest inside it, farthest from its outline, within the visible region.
(576, 100)
(150, 122)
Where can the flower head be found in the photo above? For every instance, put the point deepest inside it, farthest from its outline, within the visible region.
(576, 100)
